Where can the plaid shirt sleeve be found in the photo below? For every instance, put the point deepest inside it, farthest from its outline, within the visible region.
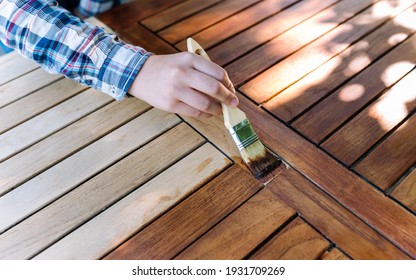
(62, 43)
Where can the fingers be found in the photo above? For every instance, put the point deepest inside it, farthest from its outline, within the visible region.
(201, 102)
(186, 110)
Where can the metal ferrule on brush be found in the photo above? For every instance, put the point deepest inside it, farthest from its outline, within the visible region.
(243, 134)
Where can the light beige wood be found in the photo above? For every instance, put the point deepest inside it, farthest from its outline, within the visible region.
(334, 254)
(62, 177)
(61, 217)
(25, 85)
(63, 143)
(50, 121)
(116, 224)
(37, 102)
(13, 65)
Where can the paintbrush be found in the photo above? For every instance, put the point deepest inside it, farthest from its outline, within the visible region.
(261, 162)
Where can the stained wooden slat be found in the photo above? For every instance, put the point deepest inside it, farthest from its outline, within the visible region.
(174, 231)
(193, 24)
(176, 13)
(51, 150)
(264, 31)
(53, 222)
(392, 158)
(297, 241)
(42, 125)
(236, 23)
(26, 84)
(327, 115)
(62, 177)
(37, 102)
(406, 191)
(242, 230)
(297, 65)
(298, 97)
(108, 229)
(363, 131)
(334, 254)
(13, 65)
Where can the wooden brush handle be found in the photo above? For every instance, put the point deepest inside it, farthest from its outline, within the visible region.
(232, 116)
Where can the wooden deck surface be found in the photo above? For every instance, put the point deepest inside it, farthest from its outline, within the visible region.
(329, 87)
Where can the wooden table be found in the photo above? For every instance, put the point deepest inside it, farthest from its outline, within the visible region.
(328, 86)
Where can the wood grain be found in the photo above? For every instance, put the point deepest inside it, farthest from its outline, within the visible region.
(392, 158)
(242, 230)
(334, 254)
(175, 230)
(330, 113)
(406, 191)
(298, 97)
(297, 241)
(13, 65)
(195, 23)
(37, 102)
(51, 150)
(370, 125)
(237, 23)
(67, 174)
(64, 215)
(292, 68)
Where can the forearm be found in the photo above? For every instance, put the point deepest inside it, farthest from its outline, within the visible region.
(62, 43)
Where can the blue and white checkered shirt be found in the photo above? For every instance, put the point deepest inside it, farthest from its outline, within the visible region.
(62, 43)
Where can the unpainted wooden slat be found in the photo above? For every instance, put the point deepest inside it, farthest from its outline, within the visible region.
(334, 254)
(358, 135)
(175, 230)
(37, 102)
(176, 13)
(59, 145)
(61, 217)
(298, 97)
(242, 230)
(392, 158)
(263, 32)
(67, 174)
(13, 65)
(236, 23)
(25, 85)
(330, 113)
(405, 192)
(334, 221)
(297, 241)
(101, 234)
(195, 23)
(341, 184)
(299, 64)
(39, 127)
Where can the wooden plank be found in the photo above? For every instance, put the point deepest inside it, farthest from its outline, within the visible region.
(67, 174)
(406, 191)
(37, 102)
(175, 230)
(25, 85)
(264, 31)
(370, 125)
(330, 113)
(39, 127)
(176, 13)
(13, 65)
(101, 234)
(298, 97)
(195, 23)
(61, 217)
(292, 68)
(297, 241)
(334, 254)
(386, 216)
(63, 143)
(236, 23)
(392, 158)
(335, 222)
(242, 230)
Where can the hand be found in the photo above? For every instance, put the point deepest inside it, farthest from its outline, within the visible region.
(184, 83)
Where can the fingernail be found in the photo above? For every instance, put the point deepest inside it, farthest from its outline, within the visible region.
(234, 102)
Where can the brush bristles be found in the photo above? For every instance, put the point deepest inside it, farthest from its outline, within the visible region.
(259, 160)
